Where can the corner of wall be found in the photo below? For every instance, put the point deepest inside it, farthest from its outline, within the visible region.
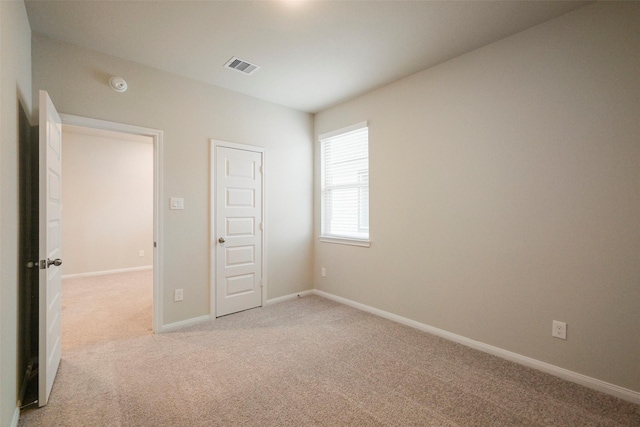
(15, 87)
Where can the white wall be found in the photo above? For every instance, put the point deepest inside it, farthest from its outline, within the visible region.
(15, 89)
(108, 200)
(505, 193)
(190, 113)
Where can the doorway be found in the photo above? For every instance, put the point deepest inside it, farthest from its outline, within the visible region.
(152, 253)
(28, 279)
(107, 236)
(39, 331)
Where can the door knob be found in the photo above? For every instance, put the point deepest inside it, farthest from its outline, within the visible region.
(221, 240)
(57, 262)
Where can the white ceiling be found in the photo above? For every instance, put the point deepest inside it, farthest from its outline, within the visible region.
(313, 54)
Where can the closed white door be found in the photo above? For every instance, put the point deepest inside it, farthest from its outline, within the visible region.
(50, 251)
(238, 229)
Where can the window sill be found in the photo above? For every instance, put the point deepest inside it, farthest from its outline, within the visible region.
(346, 241)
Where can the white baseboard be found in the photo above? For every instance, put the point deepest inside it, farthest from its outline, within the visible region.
(16, 417)
(184, 323)
(288, 297)
(593, 383)
(105, 272)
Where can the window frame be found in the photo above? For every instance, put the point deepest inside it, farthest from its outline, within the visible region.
(336, 238)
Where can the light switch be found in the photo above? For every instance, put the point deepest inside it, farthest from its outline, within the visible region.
(177, 203)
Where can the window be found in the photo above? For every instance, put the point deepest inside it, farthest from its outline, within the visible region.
(344, 188)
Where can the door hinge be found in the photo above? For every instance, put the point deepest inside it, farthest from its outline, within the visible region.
(155, 244)
(261, 226)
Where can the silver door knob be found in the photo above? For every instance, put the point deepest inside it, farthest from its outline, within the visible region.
(221, 240)
(57, 262)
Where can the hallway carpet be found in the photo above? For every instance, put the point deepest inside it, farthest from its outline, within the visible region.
(106, 308)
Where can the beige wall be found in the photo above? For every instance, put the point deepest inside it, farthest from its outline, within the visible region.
(108, 200)
(504, 187)
(15, 88)
(189, 113)
(505, 193)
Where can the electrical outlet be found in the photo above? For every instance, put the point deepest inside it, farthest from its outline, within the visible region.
(559, 330)
(141, 252)
(323, 272)
(178, 294)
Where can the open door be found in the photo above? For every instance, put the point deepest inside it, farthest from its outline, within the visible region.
(50, 254)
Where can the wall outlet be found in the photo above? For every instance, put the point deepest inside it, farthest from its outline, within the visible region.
(323, 272)
(141, 252)
(178, 294)
(559, 330)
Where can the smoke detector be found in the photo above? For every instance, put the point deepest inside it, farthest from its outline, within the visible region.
(118, 84)
(242, 66)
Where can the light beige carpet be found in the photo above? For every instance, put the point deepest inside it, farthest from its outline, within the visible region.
(105, 308)
(310, 362)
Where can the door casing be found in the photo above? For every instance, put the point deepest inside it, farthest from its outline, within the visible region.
(157, 136)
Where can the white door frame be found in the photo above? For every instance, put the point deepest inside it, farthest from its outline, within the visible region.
(213, 240)
(156, 135)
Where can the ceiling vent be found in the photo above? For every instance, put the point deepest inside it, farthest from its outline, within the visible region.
(243, 66)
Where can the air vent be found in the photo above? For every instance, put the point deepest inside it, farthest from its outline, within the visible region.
(243, 66)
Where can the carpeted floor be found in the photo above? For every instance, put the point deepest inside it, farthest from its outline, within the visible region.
(106, 308)
(309, 362)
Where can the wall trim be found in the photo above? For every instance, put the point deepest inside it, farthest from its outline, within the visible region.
(207, 318)
(289, 297)
(592, 383)
(16, 417)
(184, 323)
(105, 272)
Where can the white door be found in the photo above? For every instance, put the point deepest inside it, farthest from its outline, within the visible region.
(50, 251)
(238, 188)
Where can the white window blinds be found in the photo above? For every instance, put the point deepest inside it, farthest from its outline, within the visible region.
(345, 183)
